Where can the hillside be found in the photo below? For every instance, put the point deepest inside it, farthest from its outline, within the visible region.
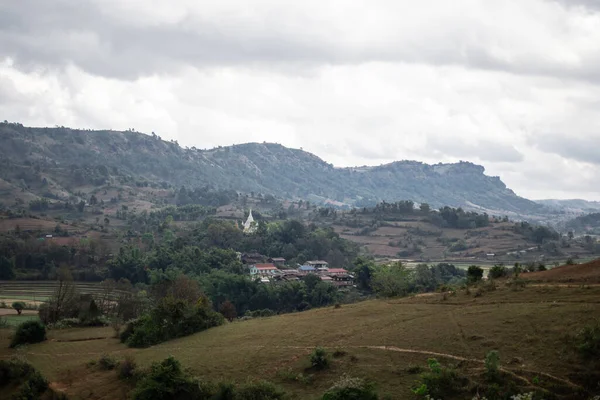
(57, 162)
(387, 342)
(397, 231)
(578, 273)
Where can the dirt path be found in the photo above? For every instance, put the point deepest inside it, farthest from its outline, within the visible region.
(472, 360)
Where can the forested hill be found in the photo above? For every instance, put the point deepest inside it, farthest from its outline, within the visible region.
(65, 159)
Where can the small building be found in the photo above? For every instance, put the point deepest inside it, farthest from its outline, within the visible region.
(277, 261)
(263, 269)
(337, 271)
(343, 280)
(306, 269)
(326, 278)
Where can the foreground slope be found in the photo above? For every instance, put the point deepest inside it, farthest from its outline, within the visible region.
(587, 273)
(59, 160)
(382, 341)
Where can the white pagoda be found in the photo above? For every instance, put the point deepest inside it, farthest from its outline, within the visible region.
(250, 224)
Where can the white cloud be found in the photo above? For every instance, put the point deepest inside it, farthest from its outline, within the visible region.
(511, 85)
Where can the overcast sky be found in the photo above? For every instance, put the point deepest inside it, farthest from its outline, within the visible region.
(513, 85)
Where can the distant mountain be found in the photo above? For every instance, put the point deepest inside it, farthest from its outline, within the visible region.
(59, 161)
(576, 206)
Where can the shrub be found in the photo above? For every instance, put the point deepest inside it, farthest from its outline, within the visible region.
(474, 274)
(440, 381)
(66, 323)
(4, 323)
(588, 341)
(347, 388)
(542, 267)
(498, 271)
(29, 332)
(107, 362)
(33, 387)
(318, 359)
(126, 368)
(17, 372)
(166, 380)
(492, 360)
(259, 391)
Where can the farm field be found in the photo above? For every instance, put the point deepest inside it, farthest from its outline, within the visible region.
(381, 339)
(36, 292)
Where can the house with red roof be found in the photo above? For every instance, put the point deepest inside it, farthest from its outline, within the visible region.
(337, 271)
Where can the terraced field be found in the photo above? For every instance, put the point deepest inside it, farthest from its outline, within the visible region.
(35, 292)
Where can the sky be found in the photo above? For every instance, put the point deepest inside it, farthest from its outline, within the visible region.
(513, 85)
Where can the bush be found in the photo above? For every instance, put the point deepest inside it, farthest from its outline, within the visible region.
(166, 380)
(318, 359)
(29, 332)
(107, 362)
(474, 274)
(17, 372)
(588, 341)
(498, 271)
(66, 323)
(127, 368)
(440, 381)
(347, 388)
(259, 391)
(492, 359)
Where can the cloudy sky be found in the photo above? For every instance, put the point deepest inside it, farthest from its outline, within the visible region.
(513, 85)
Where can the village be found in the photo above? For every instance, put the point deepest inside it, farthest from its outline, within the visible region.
(276, 270)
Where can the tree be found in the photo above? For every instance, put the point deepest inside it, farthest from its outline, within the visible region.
(93, 200)
(474, 274)
(363, 270)
(391, 280)
(19, 306)
(64, 300)
(228, 310)
(6, 268)
(81, 206)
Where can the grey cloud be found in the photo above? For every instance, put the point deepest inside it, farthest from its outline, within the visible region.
(56, 33)
(589, 4)
(583, 149)
(483, 149)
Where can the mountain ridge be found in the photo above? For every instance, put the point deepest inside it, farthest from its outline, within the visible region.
(71, 158)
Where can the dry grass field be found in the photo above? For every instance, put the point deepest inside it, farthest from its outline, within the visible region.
(382, 340)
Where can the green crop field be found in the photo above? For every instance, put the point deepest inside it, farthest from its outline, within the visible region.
(15, 320)
(381, 339)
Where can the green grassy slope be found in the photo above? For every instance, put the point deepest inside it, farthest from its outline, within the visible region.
(381, 338)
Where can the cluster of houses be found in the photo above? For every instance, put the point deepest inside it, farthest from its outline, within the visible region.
(275, 271)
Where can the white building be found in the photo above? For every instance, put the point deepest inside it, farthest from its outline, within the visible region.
(250, 224)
